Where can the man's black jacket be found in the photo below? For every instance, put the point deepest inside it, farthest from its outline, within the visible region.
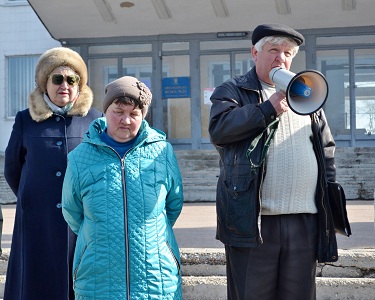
(238, 116)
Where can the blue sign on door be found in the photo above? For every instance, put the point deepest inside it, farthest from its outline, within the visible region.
(176, 87)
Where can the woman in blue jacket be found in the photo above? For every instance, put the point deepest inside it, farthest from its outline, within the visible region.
(59, 114)
(122, 194)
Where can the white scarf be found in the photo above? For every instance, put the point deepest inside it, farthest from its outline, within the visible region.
(56, 109)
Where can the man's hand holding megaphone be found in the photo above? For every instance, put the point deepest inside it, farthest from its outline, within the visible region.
(279, 102)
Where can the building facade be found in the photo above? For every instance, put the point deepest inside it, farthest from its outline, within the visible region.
(23, 38)
(200, 62)
(182, 71)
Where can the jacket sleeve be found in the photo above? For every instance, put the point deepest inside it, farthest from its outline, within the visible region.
(72, 207)
(175, 199)
(237, 115)
(15, 155)
(329, 146)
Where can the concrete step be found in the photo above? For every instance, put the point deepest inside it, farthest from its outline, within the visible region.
(204, 179)
(354, 171)
(199, 196)
(214, 288)
(200, 168)
(204, 288)
(3, 270)
(351, 277)
(358, 263)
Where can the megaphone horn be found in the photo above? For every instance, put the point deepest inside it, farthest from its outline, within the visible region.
(306, 92)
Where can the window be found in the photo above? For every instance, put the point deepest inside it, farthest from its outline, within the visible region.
(21, 70)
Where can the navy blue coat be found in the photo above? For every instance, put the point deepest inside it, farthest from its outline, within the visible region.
(35, 162)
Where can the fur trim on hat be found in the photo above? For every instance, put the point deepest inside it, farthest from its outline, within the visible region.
(40, 111)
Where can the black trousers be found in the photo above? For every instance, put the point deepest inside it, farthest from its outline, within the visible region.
(282, 268)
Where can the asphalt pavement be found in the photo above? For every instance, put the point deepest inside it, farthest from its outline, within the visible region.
(195, 228)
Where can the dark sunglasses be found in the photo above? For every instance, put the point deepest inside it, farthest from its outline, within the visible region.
(58, 79)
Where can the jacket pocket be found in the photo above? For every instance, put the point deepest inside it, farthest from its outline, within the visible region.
(241, 210)
(174, 259)
(78, 265)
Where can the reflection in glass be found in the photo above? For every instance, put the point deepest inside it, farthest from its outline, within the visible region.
(334, 64)
(215, 69)
(101, 72)
(365, 91)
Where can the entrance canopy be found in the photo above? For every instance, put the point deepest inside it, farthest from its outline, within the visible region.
(71, 19)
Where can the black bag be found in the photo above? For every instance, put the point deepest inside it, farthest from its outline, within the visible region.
(337, 201)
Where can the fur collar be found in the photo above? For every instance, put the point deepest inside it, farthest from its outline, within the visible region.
(40, 111)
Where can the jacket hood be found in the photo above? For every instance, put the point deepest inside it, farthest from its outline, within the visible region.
(40, 111)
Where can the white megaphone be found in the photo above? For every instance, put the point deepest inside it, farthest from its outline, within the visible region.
(306, 92)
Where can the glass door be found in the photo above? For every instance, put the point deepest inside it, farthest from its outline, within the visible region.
(176, 107)
(350, 107)
(364, 88)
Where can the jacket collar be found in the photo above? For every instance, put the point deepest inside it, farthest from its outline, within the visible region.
(248, 81)
(146, 133)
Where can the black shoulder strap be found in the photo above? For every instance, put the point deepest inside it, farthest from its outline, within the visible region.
(272, 127)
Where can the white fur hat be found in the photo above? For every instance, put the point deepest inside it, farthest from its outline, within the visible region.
(48, 61)
(57, 57)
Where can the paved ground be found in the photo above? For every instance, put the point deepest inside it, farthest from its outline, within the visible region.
(196, 226)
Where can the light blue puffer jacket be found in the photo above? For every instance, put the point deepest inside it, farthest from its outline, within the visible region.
(123, 210)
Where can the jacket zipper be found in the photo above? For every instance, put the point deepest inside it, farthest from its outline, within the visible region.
(320, 156)
(126, 230)
(260, 202)
(79, 263)
(262, 175)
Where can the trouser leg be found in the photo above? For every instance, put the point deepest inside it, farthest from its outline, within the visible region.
(298, 257)
(247, 277)
(281, 268)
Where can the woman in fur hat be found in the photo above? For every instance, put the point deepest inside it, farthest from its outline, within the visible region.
(59, 114)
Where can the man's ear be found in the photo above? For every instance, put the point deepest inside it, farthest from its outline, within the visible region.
(254, 53)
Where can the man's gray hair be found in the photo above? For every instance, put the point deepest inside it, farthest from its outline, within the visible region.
(277, 40)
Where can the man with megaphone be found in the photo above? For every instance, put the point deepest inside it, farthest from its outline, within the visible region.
(273, 215)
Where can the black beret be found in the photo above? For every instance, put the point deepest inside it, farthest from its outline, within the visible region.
(276, 30)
